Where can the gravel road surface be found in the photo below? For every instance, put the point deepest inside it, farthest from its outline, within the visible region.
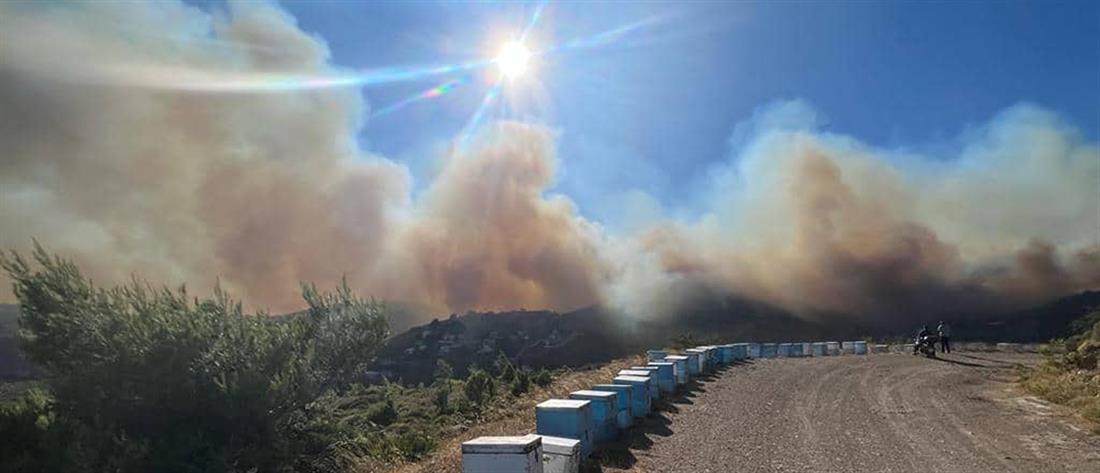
(876, 413)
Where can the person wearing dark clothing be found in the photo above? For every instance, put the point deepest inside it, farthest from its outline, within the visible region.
(945, 336)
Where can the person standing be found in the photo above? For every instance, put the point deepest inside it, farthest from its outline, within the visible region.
(945, 336)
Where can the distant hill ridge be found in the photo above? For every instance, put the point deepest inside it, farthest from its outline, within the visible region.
(540, 338)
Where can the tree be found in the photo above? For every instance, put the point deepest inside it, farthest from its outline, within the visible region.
(505, 371)
(480, 387)
(442, 385)
(347, 332)
(443, 370)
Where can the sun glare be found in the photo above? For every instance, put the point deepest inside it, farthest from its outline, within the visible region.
(512, 59)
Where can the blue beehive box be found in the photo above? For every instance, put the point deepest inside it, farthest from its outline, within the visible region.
(693, 363)
(666, 379)
(754, 350)
(625, 417)
(701, 358)
(656, 355)
(740, 351)
(647, 372)
(714, 354)
(783, 350)
(795, 351)
(569, 418)
(605, 410)
(807, 348)
(768, 350)
(704, 358)
(832, 348)
(711, 353)
(724, 355)
(640, 399)
(859, 347)
(819, 348)
(680, 369)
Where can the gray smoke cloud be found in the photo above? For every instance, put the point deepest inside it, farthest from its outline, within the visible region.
(816, 222)
(121, 148)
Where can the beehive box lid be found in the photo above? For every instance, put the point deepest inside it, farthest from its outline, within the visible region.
(518, 445)
(588, 393)
(560, 446)
(661, 363)
(644, 368)
(641, 373)
(562, 404)
(677, 357)
(632, 379)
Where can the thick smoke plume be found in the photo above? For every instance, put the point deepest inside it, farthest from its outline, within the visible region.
(819, 223)
(104, 160)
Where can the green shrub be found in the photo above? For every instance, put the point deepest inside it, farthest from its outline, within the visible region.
(383, 413)
(151, 379)
(506, 372)
(1069, 375)
(412, 446)
(543, 378)
(521, 383)
(480, 387)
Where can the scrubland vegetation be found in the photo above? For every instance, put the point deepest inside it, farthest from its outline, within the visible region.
(1070, 374)
(139, 379)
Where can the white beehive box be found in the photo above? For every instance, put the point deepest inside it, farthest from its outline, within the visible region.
(503, 455)
(560, 455)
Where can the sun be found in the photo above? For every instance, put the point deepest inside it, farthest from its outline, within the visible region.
(512, 59)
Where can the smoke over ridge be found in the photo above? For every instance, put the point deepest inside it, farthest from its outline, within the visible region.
(265, 190)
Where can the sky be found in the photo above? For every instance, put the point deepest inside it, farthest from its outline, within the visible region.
(656, 109)
(878, 159)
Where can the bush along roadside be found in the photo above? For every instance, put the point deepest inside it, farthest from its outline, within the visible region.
(1070, 374)
(138, 378)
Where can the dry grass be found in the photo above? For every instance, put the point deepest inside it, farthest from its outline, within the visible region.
(516, 418)
(1079, 389)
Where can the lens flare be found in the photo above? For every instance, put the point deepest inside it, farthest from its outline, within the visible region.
(513, 59)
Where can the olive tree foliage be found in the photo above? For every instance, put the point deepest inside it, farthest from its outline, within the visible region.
(347, 332)
(153, 379)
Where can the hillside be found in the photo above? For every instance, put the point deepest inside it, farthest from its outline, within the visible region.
(538, 339)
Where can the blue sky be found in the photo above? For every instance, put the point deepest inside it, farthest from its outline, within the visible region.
(654, 110)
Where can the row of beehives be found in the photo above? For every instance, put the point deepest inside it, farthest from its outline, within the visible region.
(567, 430)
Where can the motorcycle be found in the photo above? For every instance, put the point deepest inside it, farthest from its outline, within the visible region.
(926, 345)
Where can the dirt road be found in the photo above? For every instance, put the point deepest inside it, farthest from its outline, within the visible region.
(877, 413)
